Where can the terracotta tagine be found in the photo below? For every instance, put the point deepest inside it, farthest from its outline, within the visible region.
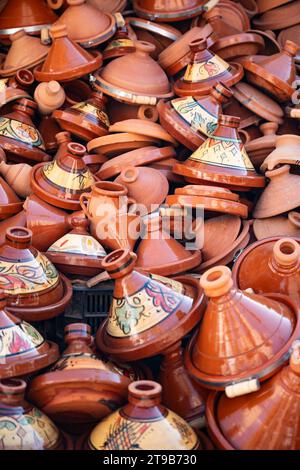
(31, 15)
(77, 252)
(135, 78)
(79, 371)
(259, 149)
(271, 44)
(222, 159)
(77, 91)
(34, 288)
(66, 60)
(290, 34)
(109, 6)
(18, 177)
(166, 11)
(113, 145)
(122, 42)
(266, 5)
(86, 120)
(233, 14)
(191, 120)
(205, 70)
(275, 74)
(286, 150)
(279, 18)
(49, 97)
(277, 226)
(16, 87)
(19, 137)
(24, 427)
(270, 265)
(10, 204)
(281, 194)
(146, 307)
(120, 111)
(282, 422)
(62, 181)
(144, 127)
(24, 350)
(48, 129)
(244, 338)
(87, 25)
(159, 253)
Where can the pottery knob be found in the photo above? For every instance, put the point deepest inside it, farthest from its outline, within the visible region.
(216, 281)
(119, 263)
(80, 223)
(55, 4)
(58, 31)
(78, 332)
(198, 45)
(24, 78)
(63, 137)
(291, 48)
(230, 121)
(278, 172)
(76, 149)
(221, 93)
(286, 252)
(144, 48)
(294, 218)
(19, 237)
(49, 96)
(148, 113)
(144, 393)
(295, 357)
(129, 174)
(12, 391)
(18, 35)
(269, 128)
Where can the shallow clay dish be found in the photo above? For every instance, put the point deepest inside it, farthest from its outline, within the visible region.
(143, 127)
(239, 45)
(266, 5)
(209, 203)
(234, 14)
(277, 226)
(280, 17)
(115, 144)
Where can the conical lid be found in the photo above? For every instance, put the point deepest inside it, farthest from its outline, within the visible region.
(66, 60)
(122, 42)
(222, 158)
(160, 253)
(278, 226)
(31, 15)
(205, 70)
(146, 307)
(268, 419)
(62, 181)
(166, 11)
(242, 335)
(86, 24)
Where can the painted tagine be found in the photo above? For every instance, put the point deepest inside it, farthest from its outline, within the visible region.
(122, 42)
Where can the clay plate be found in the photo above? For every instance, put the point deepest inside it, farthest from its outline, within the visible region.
(212, 204)
(143, 127)
(279, 18)
(115, 144)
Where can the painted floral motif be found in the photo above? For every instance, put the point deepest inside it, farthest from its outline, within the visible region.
(19, 339)
(195, 115)
(88, 108)
(77, 181)
(20, 131)
(83, 245)
(119, 43)
(197, 72)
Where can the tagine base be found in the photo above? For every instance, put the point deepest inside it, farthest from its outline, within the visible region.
(75, 264)
(17, 151)
(78, 126)
(180, 266)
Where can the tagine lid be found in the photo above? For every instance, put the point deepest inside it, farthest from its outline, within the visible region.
(290, 34)
(146, 307)
(9, 92)
(216, 356)
(10, 203)
(281, 421)
(261, 147)
(279, 18)
(266, 5)
(143, 127)
(233, 14)
(76, 60)
(162, 11)
(281, 225)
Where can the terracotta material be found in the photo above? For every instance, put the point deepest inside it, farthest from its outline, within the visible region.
(135, 78)
(86, 120)
(49, 97)
(144, 127)
(219, 357)
(19, 137)
(77, 252)
(48, 129)
(87, 25)
(10, 204)
(222, 159)
(290, 34)
(286, 151)
(109, 6)
(122, 42)
(145, 308)
(266, 5)
(271, 44)
(15, 220)
(115, 144)
(120, 111)
(274, 74)
(166, 168)
(66, 60)
(62, 181)
(190, 120)
(270, 265)
(277, 226)
(234, 14)
(16, 87)
(259, 149)
(282, 422)
(280, 17)
(77, 91)
(205, 70)
(247, 118)
(165, 11)
(281, 194)
(159, 253)
(18, 177)
(136, 179)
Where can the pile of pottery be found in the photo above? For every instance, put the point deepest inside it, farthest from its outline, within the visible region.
(158, 148)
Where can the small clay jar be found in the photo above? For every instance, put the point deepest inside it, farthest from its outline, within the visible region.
(18, 177)
(49, 97)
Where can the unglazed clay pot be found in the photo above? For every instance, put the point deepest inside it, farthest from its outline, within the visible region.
(18, 177)
(77, 91)
(280, 421)
(86, 120)
(222, 159)
(168, 11)
(28, 428)
(49, 97)
(24, 351)
(190, 120)
(277, 226)
(159, 253)
(270, 265)
(259, 149)
(34, 288)
(87, 25)
(244, 338)
(66, 60)
(232, 13)
(205, 70)
(19, 137)
(149, 313)
(135, 78)
(113, 145)
(79, 372)
(145, 128)
(62, 181)
(286, 151)
(281, 194)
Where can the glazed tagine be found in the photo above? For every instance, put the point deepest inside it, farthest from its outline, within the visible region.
(145, 306)
(167, 11)
(16, 87)
(219, 358)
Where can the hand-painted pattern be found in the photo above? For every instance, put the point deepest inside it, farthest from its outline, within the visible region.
(88, 108)
(19, 339)
(83, 245)
(195, 115)
(74, 182)
(20, 131)
(201, 71)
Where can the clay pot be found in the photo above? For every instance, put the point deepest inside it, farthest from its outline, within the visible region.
(190, 120)
(259, 149)
(205, 70)
(16, 87)
(281, 421)
(281, 194)
(271, 44)
(48, 129)
(62, 181)
(19, 137)
(113, 145)
(109, 6)
(270, 266)
(266, 5)
(275, 74)
(66, 60)
(290, 34)
(135, 78)
(221, 359)
(165, 11)
(77, 252)
(121, 111)
(18, 177)
(286, 151)
(29, 429)
(159, 253)
(15, 220)
(86, 120)
(222, 159)
(136, 179)
(279, 18)
(144, 128)
(87, 25)
(277, 226)
(148, 313)
(233, 14)
(122, 42)
(49, 97)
